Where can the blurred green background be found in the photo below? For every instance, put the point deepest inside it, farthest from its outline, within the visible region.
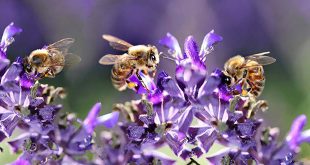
(248, 27)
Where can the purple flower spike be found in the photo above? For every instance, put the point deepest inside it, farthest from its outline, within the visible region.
(207, 45)
(91, 120)
(7, 37)
(173, 45)
(293, 138)
(108, 120)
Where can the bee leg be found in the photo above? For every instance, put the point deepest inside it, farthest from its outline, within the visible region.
(154, 73)
(244, 88)
(144, 71)
(131, 85)
(49, 73)
(142, 82)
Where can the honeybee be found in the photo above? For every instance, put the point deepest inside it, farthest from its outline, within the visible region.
(247, 71)
(51, 59)
(137, 58)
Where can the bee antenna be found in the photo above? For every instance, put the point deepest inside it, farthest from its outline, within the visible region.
(169, 58)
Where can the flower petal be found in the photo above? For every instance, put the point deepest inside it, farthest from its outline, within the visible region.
(165, 159)
(17, 143)
(172, 43)
(8, 121)
(148, 86)
(191, 49)
(8, 34)
(12, 73)
(108, 120)
(295, 132)
(91, 120)
(209, 40)
(206, 140)
(175, 142)
(185, 120)
(20, 161)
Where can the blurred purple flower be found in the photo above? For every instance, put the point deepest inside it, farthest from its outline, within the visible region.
(295, 137)
(92, 120)
(7, 38)
(20, 161)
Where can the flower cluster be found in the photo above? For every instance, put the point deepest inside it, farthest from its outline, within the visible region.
(27, 107)
(188, 114)
(196, 109)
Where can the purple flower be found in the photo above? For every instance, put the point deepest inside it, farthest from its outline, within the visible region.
(78, 140)
(295, 137)
(207, 45)
(20, 161)
(174, 48)
(7, 38)
(188, 113)
(92, 120)
(190, 46)
(192, 83)
(14, 100)
(147, 87)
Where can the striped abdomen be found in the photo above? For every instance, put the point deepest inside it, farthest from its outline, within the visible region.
(256, 80)
(120, 72)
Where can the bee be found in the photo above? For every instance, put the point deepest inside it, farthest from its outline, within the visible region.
(137, 58)
(247, 71)
(51, 59)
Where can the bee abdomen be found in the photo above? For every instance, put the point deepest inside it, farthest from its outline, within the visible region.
(257, 79)
(119, 75)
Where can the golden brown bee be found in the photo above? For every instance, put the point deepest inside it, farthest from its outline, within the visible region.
(137, 58)
(247, 71)
(50, 60)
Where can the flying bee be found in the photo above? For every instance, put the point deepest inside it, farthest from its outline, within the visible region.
(51, 59)
(247, 71)
(137, 58)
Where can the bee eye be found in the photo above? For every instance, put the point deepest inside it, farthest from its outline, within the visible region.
(152, 56)
(227, 80)
(37, 60)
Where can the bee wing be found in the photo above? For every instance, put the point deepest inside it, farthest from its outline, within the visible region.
(117, 43)
(62, 45)
(259, 54)
(72, 59)
(261, 59)
(109, 59)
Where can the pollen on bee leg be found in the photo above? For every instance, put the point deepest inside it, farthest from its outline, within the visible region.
(131, 85)
(244, 92)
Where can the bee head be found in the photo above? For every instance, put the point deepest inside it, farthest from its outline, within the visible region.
(153, 57)
(38, 57)
(233, 66)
